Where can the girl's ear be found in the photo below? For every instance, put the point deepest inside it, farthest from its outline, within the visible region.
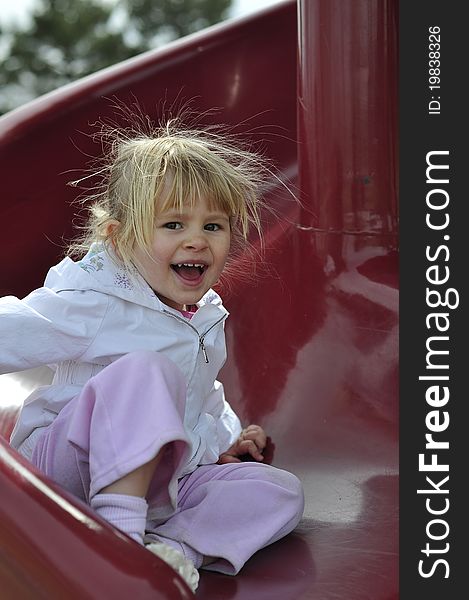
(111, 228)
(110, 231)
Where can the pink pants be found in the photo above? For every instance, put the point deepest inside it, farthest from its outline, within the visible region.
(124, 417)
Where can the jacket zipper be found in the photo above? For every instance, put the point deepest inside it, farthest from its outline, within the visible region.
(201, 337)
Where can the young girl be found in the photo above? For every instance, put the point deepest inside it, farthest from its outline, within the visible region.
(135, 422)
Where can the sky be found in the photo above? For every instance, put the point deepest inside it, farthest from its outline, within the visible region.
(17, 11)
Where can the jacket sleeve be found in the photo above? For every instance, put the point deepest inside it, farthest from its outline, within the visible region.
(228, 424)
(48, 327)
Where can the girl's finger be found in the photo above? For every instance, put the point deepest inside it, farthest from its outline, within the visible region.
(258, 437)
(227, 458)
(249, 447)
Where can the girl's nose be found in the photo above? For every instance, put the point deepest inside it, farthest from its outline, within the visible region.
(195, 241)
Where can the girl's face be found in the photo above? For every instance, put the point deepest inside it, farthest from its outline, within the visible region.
(187, 254)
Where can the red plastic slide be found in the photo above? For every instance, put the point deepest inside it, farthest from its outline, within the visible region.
(312, 343)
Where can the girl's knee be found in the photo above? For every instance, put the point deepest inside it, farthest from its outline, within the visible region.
(294, 488)
(298, 497)
(140, 379)
(290, 496)
(143, 366)
(290, 492)
(282, 489)
(287, 485)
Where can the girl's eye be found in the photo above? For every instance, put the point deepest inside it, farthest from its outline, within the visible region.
(172, 225)
(212, 227)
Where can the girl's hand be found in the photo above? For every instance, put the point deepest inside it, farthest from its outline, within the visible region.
(252, 441)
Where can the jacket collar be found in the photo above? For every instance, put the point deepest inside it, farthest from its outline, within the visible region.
(101, 271)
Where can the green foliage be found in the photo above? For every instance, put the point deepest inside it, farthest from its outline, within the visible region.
(175, 18)
(68, 39)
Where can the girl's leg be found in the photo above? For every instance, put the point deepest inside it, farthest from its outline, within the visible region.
(123, 502)
(135, 483)
(122, 435)
(231, 511)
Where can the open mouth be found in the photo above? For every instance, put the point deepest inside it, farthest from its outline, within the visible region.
(189, 271)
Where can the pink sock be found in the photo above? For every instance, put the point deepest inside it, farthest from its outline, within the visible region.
(127, 513)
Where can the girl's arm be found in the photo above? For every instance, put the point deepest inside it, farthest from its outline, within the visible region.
(48, 327)
(234, 441)
(228, 424)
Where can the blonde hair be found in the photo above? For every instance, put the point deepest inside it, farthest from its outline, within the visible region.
(171, 168)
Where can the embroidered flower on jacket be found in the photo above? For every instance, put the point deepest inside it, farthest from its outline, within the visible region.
(92, 264)
(121, 279)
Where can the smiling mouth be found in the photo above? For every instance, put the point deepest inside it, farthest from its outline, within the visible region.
(189, 271)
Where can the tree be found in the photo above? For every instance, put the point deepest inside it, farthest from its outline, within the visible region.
(68, 39)
(173, 18)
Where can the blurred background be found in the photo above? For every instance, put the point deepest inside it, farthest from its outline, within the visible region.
(45, 44)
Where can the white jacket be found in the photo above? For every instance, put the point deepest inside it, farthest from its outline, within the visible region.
(92, 312)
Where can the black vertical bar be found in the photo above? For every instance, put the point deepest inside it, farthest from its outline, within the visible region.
(434, 253)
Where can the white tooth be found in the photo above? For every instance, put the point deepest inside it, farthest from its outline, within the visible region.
(179, 265)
